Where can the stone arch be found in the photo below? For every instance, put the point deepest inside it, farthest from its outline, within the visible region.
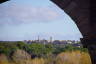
(79, 11)
(1, 1)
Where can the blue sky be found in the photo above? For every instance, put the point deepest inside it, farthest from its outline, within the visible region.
(26, 19)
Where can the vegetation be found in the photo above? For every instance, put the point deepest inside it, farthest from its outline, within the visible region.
(35, 53)
(75, 57)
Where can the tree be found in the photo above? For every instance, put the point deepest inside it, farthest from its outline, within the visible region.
(7, 48)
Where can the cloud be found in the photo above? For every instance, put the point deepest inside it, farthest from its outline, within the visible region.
(17, 14)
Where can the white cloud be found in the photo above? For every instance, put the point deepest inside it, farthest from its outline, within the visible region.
(16, 14)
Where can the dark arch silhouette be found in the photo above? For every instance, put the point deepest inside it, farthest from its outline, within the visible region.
(84, 15)
(83, 12)
(1, 1)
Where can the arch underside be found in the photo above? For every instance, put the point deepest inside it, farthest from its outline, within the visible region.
(79, 11)
(1, 1)
(83, 12)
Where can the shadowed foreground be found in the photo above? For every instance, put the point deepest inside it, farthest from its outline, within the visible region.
(75, 57)
(36, 53)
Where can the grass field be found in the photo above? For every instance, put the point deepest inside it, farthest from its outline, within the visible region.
(74, 57)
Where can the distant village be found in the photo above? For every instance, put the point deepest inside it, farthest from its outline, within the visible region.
(57, 42)
(51, 41)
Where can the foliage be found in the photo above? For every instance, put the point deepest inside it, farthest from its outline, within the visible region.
(21, 57)
(85, 58)
(74, 57)
(7, 48)
(38, 61)
(40, 49)
(37, 53)
(22, 45)
(70, 48)
(58, 50)
(3, 59)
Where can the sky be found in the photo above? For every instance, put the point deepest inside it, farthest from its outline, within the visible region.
(28, 19)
